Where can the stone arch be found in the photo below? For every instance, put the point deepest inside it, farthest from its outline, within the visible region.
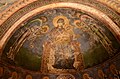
(98, 14)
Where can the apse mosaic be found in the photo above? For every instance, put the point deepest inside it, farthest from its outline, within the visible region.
(58, 41)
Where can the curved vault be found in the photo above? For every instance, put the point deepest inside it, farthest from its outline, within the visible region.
(56, 39)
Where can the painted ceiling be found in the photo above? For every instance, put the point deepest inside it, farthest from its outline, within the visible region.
(59, 39)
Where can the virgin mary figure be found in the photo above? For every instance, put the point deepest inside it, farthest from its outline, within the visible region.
(64, 50)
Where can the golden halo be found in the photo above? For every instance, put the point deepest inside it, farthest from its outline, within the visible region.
(43, 18)
(60, 17)
(86, 76)
(45, 77)
(113, 69)
(67, 27)
(45, 29)
(75, 23)
(100, 73)
(112, 66)
(28, 77)
(14, 74)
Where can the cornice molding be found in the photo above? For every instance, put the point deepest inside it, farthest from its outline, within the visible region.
(114, 4)
(13, 8)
